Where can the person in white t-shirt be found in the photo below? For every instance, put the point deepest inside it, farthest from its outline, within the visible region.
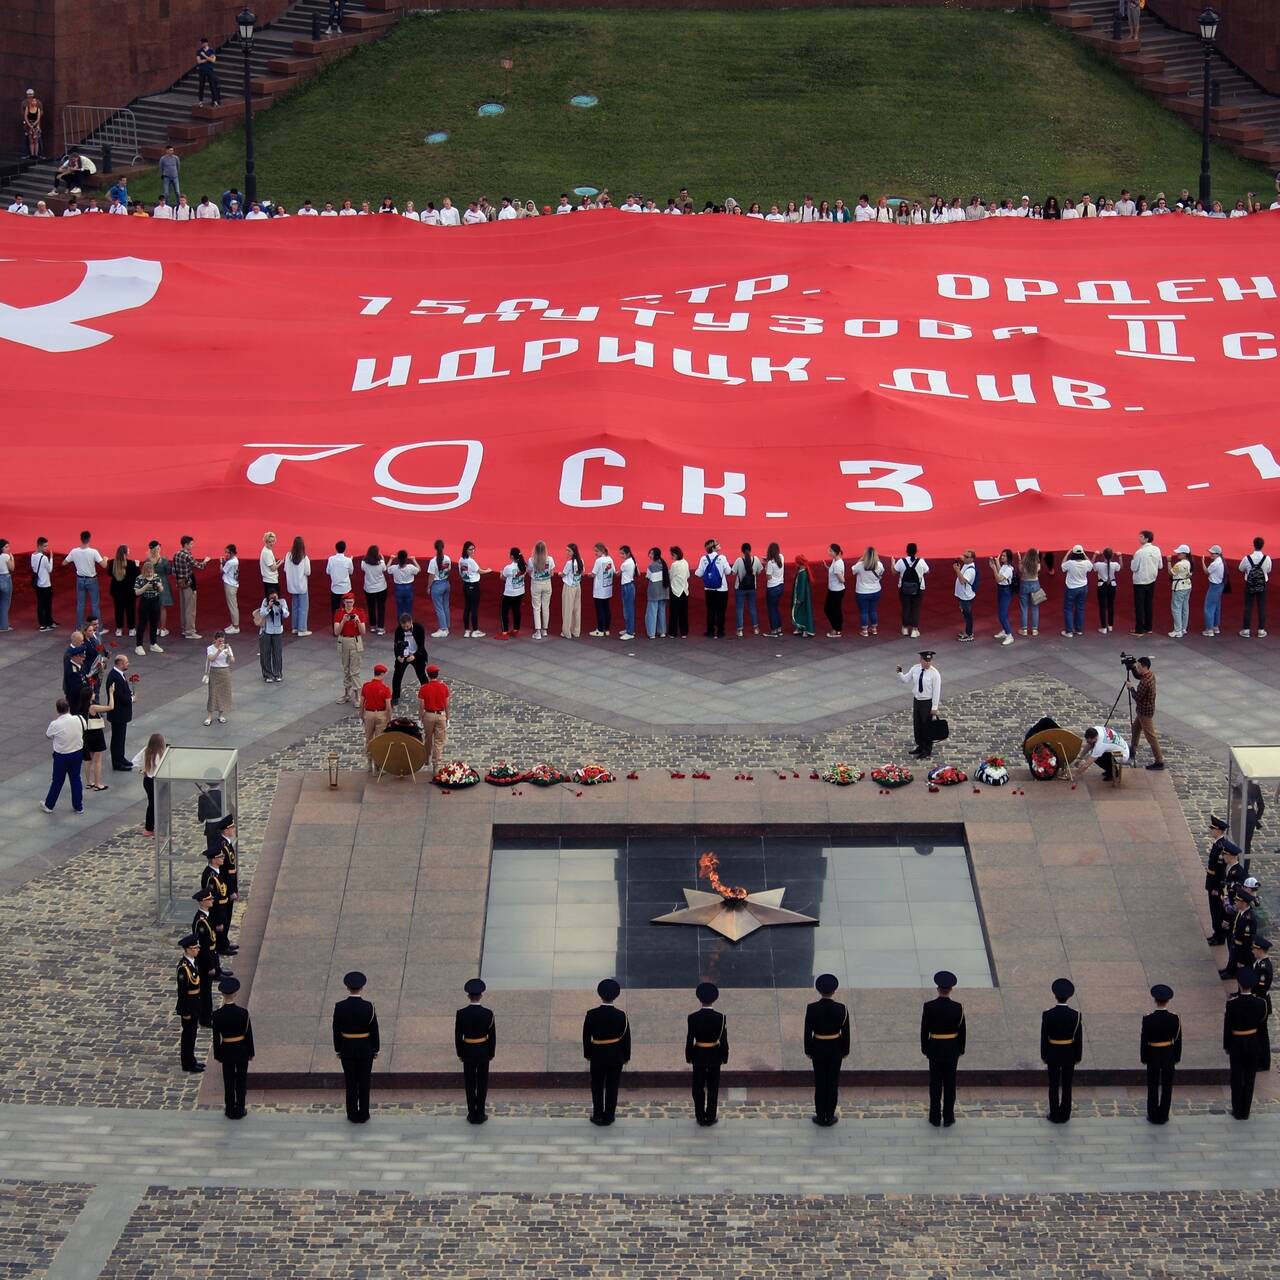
(338, 568)
(162, 211)
(20, 207)
(268, 565)
(602, 573)
(747, 569)
(182, 211)
(449, 216)
(507, 212)
(1256, 567)
(833, 606)
(256, 213)
(1105, 747)
(571, 592)
(627, 591)
(205, 210)
(966, 571)
(473, 217)
(430, 216)
(347, 210)
(631, 205)
(514, 575)
(1075, 568)
(1145, 569)
(911, 570)
(87, 561)
(862, 211)
(542, 568)
(307, 210)
(1005, 571)
(328, 211)
(297, 573)
(713, 569)
(774, 582)
(230, 570)
(1215, 572)
(373, 569)
(469, 572)
(867, 573)
(1106, 570)
(1179, 567)
(439, 567)
(774, 215)
(402, 571)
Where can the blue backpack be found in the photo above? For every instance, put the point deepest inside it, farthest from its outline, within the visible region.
(712, 578)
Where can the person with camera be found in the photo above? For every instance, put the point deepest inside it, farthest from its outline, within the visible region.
(350, 626)
(270, 616)
(1144, 708)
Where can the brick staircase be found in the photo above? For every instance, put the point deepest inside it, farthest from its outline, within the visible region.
(1170, 65)
(284, 54)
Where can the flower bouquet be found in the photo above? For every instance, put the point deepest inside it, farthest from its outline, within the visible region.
(947, 776)
(591, 775)
(992, 771)
(546, 775)
(1045, 764)
(456, 775)
(891, 775)
(842, 775)
(502, 773)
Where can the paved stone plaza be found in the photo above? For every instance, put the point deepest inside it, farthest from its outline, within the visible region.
(105, 1146)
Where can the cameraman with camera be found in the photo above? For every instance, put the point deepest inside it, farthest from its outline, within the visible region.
(270, 616)
(1144, 706)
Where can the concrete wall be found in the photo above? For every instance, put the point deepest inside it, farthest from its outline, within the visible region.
(1249, 35)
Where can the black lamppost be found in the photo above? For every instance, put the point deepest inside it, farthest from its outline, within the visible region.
(1208, 32)
(246, 21)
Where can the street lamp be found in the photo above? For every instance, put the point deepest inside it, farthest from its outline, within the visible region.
(246, 22)
(1208, 21)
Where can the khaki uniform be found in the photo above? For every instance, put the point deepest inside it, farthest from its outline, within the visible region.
(351, 655)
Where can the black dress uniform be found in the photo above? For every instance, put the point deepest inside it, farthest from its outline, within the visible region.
(1243, 928)
(207, 960)
(356, 1042)
(1244, 1036)
(188, 1006)
(476, 1041)
(233, 1047)
(1160, 1051)
(1215, 872)
(220, 912)
(706, 1048)
(1264, 974)
(942, 1041)
(1061, 1048)
(826, 1045)
(606, 1045)
(216, 837)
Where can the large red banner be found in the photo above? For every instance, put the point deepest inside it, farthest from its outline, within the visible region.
(649, 380)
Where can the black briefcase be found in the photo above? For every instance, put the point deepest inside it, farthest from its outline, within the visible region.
(939, 730)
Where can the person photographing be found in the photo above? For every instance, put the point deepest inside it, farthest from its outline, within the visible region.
(1144, 710)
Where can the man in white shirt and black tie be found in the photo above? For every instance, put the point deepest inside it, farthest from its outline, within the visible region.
(925, 682)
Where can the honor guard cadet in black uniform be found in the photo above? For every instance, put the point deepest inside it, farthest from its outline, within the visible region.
(826, 1045)
(220, 911)
(942, 1041)
(706, 1046)
(233, 1047)
(221, 834)
(606, 1045)
(356, 1042)
(1214, 873)
(1160, 1050)
(1264, 973)
(1241, 932)
(476, 1042)
(1244, 1036)
(207, 960)
(188, 1006)
(1061, 1047)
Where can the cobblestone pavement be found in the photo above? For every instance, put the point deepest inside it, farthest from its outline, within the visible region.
(903, 1237)
(34, 1220)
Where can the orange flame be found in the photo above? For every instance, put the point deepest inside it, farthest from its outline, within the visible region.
(707, 865)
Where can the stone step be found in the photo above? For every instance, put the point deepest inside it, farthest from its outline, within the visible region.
(294, 65)
(195, 130)
(273, 85)
(1070, 19)
(1267, 153)
(227, 110)
(1164, 86)
(332, 45)
(1237, 131)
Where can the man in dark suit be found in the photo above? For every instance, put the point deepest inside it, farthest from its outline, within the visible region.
(706, 1048)
(120, 701)
(1061, 1047)
(1160, 1050)
(1264, 975)
(1244, 1040)
(476, 1041)
(606, 1045)
(233, 1047)
(1215, 871)
(942, 1041)
(188, 1006)
(1241, 931)
(75, 669)
(826, 1045)
(211, 878)
(410, 645)
(207, 958)
(356, 1042)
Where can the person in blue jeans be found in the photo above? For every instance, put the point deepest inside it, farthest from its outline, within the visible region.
(1005, 572)
(657, 594)
(1075, 568)
(66, 733)
(6, 582)
(746, 571)
(438, 569)
(774, 585)
(87, 561)
(1028, 585)
(627, 582)
(403, 569)
(1215, 573)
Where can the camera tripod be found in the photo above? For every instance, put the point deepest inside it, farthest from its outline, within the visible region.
(1126, 689)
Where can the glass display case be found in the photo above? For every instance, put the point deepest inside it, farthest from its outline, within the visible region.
(1253, 782)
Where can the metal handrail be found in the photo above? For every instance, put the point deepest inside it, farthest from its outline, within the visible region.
(96, 128)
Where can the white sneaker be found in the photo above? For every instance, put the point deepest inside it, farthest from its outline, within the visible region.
(915, 633)
(1209, 632)
(1262, 635)
(477, 635)
(192, 635)
(1008, 639)
(439, 635)
(999, 635)
(164, 631)
(626, 635)
(1246, 634)
(597, 634)
(140, 651)
(231, 631)
(155, 648)
(118, 631)
(1176, 635)
(300, 634)
(466, 635)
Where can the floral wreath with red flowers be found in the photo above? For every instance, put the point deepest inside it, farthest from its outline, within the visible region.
(546, 775)
(947, 775)
(992, 771)
(842, 775)
(1045, 763)
(891, 775)
(592, 775)
(455, 776)
(502, 773)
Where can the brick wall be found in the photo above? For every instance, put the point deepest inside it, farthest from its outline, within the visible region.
(1249, 35)
(102, 53)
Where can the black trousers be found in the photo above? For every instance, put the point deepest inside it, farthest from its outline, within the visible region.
(126, 611)
(207, 76)
(1143, 601)
(1109, 764)
(1159, 1091)
(706, 1089)
(119, 732)
(187, 1042)
(221, 917)
(1060, 1091)
(911, 609)
(1216, 912)
(717, 607)
(235, 1080)
(1106, 604)
(475, 1083)
(826, 1087)
(604, 1090)
(1239, 957)
(376, 604)
(921, 721)
(509, 612)
(148, 620)
(678, 615)
(419, 664)
(1255, 600)
(471, 606)
(833, 607)
(206, 997)
(335, 12)
(604, 614)
(1244, 1068)
(356, 1072)
(942, 1090)
(44, 606)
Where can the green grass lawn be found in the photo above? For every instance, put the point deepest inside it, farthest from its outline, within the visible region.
(760, 106)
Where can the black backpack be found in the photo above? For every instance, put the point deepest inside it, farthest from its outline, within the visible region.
(910, 584)
(1255, 580)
